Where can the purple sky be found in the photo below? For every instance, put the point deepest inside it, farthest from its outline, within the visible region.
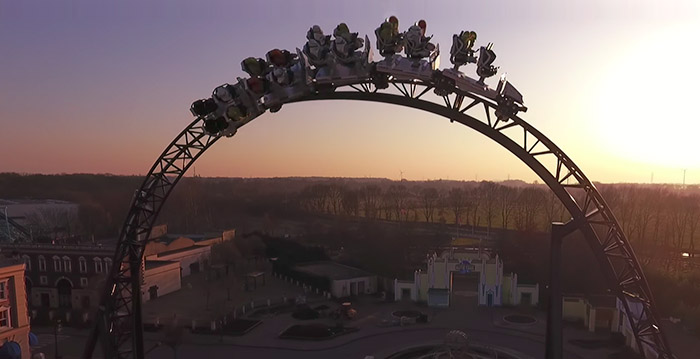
(103, 86)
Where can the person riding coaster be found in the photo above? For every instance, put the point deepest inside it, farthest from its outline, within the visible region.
(389, 39)
(417, 45)
(282, 62)
(344, 45)
(317, 47)
(461, 52)
(343, 63)
(254, 67)
(257, 68)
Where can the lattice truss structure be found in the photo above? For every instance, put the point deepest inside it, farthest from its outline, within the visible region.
(412, 81)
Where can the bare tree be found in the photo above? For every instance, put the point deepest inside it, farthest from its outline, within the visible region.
(489, 191)
(335, 197)
(351, 202)
(528, 204)
(506, 201)
(429, 197)
(370, 198)
(457, 199)
(474, 200)
(398, 197)
(54, 223)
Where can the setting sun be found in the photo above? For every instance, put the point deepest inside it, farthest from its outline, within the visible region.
(645, 97)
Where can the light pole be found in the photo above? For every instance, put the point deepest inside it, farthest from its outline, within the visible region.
(56, 329)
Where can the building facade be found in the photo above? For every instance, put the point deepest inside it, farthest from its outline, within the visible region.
(14, 320)
(72, 277)
(493, 287)
(63, 276)
(340, 280)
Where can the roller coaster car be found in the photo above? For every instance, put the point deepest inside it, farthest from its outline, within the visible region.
(509, 100)
(468, 84)
(288, 78)
(402, 68)
(230, 107)
(505, 89)
(417, 47)
(218, 125)
(345, 70)
(211, 113)
(345, 64)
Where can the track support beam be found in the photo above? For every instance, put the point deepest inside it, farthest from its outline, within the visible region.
(555, 335)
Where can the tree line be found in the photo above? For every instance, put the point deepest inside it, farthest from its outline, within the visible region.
(661, 221)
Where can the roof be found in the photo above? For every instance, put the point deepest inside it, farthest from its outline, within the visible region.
(595, 300)
(181, 250)
(10, 202)
(168, 238)
(22, 248)
(155, 264)
(332, 270)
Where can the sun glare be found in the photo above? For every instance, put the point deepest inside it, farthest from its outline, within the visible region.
(646, 108)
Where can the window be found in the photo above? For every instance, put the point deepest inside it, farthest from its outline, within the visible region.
(4, 317)
(43, 280)
(3, 290)
(27, 262)
(67, 264)
(42, 264)
(82, 263)
(108, 264)
(57, 263)
(83, 282)
(98, 264)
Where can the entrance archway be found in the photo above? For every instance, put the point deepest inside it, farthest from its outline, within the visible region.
(65, 289)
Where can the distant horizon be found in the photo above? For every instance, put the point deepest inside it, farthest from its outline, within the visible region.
(192, 175)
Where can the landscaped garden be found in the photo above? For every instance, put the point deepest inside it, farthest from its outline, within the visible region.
(315, 331)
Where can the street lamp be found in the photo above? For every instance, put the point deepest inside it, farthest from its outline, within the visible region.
(56, 329)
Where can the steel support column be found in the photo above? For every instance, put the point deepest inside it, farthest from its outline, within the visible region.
(554, 344)
(555, 336)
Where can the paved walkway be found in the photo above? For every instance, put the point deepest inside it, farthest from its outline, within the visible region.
(483, 325)
(204, 300)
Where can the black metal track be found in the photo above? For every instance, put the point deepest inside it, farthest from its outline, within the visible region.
(119, 320)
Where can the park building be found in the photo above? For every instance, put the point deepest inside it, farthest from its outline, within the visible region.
(470, 276)
(62, 278)
(192, 251)
(337, 279)
(605, 313)
(14, 320)
(593, 312)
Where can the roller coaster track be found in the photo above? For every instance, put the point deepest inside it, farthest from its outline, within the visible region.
(12, 231)
(119, 326)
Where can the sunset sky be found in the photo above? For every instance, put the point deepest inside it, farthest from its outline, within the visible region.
(103, 86)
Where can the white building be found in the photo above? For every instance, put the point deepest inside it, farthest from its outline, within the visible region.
(494, 288)
(342, 280)
(160, 278)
